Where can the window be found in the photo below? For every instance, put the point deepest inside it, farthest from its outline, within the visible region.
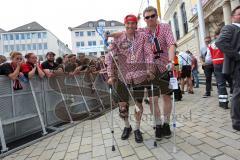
(175, 19)
(11, 36)
(90, 24)
(76, 34)
(28, 35)
(92, 43)
(78, 44)
(82, 44)
(102, 53)
(92, 53)
(6, 48)
(91, 33)
(29, 47)
(112, 24)
(22, 36)
(17, 36)
(184, 18)
(101, 23)
(39, 46)
(11, 47)
(34, 46)
(39, 35)
(45, 46)
(44, 35)
(22, 47)
(18, 47)
(5, 37)
(81, 34)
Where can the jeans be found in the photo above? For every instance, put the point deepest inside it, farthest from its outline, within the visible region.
(195, 76)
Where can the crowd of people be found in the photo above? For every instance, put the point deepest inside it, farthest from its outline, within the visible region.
(141, 59)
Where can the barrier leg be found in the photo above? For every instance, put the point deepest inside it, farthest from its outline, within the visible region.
(154, 120)
(112, 128)
(38, 110)
(69, 115)
(3, 142)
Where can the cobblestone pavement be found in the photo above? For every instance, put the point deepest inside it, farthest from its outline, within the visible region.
(206, 135)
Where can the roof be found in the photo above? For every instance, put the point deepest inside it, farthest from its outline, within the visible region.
(95, 24)
(33, 26)
(2, 30)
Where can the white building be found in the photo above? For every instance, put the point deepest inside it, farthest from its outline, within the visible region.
(34, 38)
(86, 40)
(1, 46)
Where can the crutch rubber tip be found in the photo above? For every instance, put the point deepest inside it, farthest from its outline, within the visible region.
(155, 144)
(113, 148)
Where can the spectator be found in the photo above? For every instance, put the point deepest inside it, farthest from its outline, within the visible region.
(207, 66)
(194, 69)
(49, 67)
(229, 43)
(3, 59)
(32, 66)
(13, 69)
(185, 63)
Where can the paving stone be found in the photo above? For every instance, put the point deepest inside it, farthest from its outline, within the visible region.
(111, 153)
(99, 158)
(181, 155)
(223, 157)
(229, 134)
(214, 135)
(58, 156)
(201, 156)
(85, 148)
(22, 157)
(32, 158)
(234, 153)
(230, 142)
(71, 155)
(160, 153)
(73, 147)
(143, 152)
(213, 142)
(85, 156)
(46, 155)
(116, 158)
(188, 148)
(193, 141)
(126, 150)
(76, 139)
(65, 139)
(209, 150)
(98, 151)
(198, 135)
(97, 141)
(36, 152)
(133, 157)
(27, 150)
(62, 147)
(87, 140)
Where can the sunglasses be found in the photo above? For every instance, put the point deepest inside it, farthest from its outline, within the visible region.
(152, 16)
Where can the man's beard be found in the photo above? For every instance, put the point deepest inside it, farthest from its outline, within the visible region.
(49, 60)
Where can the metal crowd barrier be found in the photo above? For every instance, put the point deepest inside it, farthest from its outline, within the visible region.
(45, 102)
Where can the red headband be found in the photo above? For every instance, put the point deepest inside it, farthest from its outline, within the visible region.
(131, 18)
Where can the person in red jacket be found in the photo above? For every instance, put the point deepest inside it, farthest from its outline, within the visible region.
(217, 59)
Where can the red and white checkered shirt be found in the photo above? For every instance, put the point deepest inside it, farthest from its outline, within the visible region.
(165, 38)
(131, 58)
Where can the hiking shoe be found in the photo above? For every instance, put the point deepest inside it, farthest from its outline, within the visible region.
(126, 133)
(158, 132)
(138, 136)
(166, 130)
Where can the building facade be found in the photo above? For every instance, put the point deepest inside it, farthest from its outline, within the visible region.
(182, 15)
(34, 38)
(85, 38)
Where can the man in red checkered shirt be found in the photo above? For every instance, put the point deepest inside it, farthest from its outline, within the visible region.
(128, 47)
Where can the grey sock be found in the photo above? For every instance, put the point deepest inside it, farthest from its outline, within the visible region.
(158, 121)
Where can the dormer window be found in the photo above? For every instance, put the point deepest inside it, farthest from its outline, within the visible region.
(90, 24)
(101, 23)
(112, 24)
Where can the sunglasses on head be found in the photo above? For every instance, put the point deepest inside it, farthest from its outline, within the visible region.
(152, 16)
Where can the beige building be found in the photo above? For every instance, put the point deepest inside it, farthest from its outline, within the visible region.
(182, 15)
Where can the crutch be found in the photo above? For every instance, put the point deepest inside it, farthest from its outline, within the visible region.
(174, 123)
(136, 107)
(154, 120)
(38, 110)
(112, 128)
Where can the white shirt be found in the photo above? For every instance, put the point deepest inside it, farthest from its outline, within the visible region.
(237, 24)
(184, 59)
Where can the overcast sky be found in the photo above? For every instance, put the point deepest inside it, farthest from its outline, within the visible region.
(58, 15)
